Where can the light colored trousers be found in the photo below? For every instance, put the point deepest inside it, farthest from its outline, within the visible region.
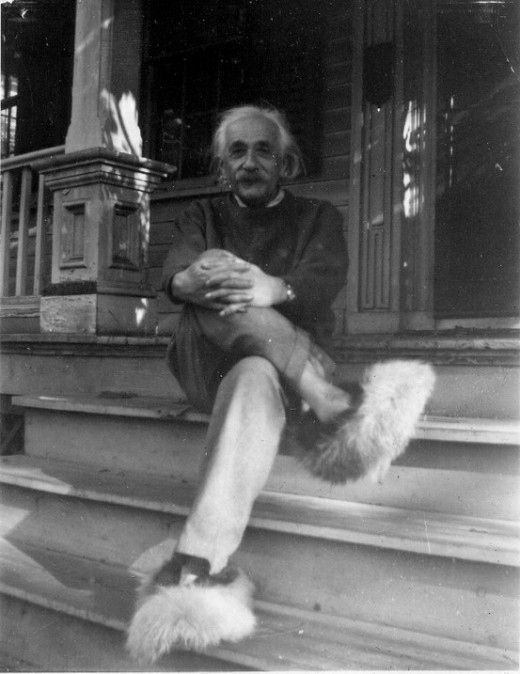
(237, 367)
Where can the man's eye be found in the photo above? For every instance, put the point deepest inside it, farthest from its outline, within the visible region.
(236, 152)
(265, 151)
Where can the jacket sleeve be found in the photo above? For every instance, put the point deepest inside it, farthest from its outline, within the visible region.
(188, 241)
(320, 271)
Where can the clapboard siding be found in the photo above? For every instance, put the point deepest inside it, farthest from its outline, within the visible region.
(336, 144)
(337, 74)
(336, 120)
(332, 180)
(337, 97)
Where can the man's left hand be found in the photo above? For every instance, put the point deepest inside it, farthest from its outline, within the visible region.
(265, 291)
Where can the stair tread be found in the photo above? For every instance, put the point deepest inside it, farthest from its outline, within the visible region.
(424, 532)
(146, 407)
(430, 427)
(286, 638)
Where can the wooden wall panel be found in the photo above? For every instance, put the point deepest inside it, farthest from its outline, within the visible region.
(373, 299)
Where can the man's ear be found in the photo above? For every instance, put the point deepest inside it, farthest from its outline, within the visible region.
(286, 169)
(220, 173)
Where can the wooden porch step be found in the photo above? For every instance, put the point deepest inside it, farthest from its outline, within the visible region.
(429, 571)
(161, 437)
(286, 638)
(480, 539)
(477, 376)
(453, 429)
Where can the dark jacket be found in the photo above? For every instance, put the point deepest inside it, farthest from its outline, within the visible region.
(300, 240)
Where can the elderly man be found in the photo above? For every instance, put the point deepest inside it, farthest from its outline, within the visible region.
(257, 271)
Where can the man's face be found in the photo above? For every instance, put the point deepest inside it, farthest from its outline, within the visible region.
(252, 161)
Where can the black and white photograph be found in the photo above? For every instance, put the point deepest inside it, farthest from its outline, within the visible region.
(260, 335)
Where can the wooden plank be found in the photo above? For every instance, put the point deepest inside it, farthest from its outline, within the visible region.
(353, 294)
(27, 306)
(338, 73)
(21, 160)
(5, 232)
(460, 537)
(23, 233)
(459, 429)
(286, 638)
(337, 52)
(177, 447)
(337, 96)
(336, 144)
(19, 315)
(338, 120)
(39, 252)
(451, 429)
(432, 594)
(335, 167)
(137, 407)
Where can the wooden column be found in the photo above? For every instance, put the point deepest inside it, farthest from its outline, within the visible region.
(102, 185)
(105, 89)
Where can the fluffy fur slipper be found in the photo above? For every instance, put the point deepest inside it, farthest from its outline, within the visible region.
(364, 442)
(192, 617)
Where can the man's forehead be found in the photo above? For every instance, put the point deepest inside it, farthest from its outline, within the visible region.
(252, 129)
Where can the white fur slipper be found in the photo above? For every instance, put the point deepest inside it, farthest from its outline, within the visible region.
(365, 442)
(191, 617)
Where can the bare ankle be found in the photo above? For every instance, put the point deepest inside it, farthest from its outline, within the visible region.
(326, 400)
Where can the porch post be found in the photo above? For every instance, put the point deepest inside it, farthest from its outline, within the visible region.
(105, 88)
(102, 185)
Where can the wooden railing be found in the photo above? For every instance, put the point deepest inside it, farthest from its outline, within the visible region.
(17, 171)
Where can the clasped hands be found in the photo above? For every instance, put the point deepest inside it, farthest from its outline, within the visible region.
(222, 281)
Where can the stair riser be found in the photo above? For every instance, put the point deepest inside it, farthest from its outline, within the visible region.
(176, 448)
(100, 438)
(473, 390)
(477, 391)
(116, 442)
(68, 373)
(446, 455)
(454, 598)
(11, 325)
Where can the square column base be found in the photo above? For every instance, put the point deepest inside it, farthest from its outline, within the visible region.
(99, 314)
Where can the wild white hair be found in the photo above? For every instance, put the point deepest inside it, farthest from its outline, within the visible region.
(292, 160)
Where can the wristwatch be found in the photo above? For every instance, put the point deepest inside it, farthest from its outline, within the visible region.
(290, 294)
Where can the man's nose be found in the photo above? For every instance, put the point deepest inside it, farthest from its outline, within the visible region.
(250, 160)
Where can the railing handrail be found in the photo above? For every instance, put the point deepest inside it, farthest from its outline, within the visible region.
(21, 160)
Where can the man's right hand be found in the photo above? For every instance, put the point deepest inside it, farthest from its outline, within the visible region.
(193, 284)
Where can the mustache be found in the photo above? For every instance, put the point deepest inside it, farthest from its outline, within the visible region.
(252, 175)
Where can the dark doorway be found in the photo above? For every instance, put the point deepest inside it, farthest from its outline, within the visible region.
(477, 176)
(201, 58)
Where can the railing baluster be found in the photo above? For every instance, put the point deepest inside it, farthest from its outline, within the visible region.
(22, 163)
(39, 246)
(5, 232)
(23, 233)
